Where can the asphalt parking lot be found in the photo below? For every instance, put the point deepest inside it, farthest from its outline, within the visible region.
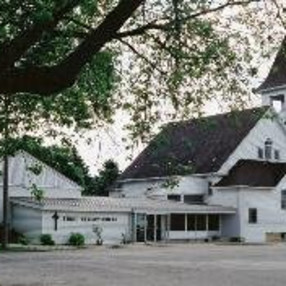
(177, 264)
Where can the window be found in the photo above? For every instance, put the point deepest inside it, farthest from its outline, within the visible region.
(191, 222)
(68, 218)
(176, 198)
(213, 222)
(177, 222)
(252, 215)
(276, 155)
(260, 153)
(194, 199)
(201, 222)
(210, 190)
(277, 101)
(268, 148)
(283, 199)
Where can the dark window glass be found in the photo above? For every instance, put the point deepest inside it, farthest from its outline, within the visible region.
(210, 190)
(260, 153)
(283, 199)
(194, 199)
(176, 198)
(177, 222)
(213, 222)
(191, 222)
(277, 155)
(201, 222)
(268, 148)
(252, 215)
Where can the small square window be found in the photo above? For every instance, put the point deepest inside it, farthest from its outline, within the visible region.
(252, 215)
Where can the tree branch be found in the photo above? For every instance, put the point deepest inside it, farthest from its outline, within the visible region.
(49, 80)
(169, 24)
(152, 64)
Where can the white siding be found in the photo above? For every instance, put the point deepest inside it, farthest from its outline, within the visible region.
(187, 185)
(54, 184)
(247, 149)
(112, 230)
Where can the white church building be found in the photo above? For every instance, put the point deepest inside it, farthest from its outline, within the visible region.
(222, 176)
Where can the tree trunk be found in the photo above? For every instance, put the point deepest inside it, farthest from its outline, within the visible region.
(6, 179)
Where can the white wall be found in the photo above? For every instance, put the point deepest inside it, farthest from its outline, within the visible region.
(112, 230)
(187, 185)
(271, 218)
(54, 184)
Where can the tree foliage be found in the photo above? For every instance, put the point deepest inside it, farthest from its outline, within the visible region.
(165, 53)
(66, 160)
(101, 185)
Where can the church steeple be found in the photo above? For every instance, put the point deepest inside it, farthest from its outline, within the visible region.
(273, 89)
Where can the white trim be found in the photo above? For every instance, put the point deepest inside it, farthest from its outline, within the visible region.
(276, 88)
(243, 187)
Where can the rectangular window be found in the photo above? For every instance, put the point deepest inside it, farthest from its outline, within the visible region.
(177, 222)
(191, 222)
(283, 199)
(201, 222)
(213, 222)
(260, 153)
(175, 198)
(210, 190)
(268, 151)
(194, 199)
(252, 215)
(69, 218)
(276, 154)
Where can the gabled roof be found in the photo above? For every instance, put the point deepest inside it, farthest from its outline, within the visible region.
(194, 146)
(254, 173)
(277, 74)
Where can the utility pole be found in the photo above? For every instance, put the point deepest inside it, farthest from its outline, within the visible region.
(6, 175)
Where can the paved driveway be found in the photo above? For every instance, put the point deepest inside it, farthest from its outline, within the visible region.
(138, 265)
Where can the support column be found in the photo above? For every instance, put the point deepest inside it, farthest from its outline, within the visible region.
(135, 228)
(145, 227)
(186, 222)
(155, 228)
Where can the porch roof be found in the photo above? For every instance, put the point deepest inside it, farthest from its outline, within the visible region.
(107, 204)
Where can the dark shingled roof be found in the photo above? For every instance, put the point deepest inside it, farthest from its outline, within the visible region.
(254, 173)
(194, 146)
(277, 74)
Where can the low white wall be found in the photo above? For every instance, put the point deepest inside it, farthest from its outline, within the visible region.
(112, 230)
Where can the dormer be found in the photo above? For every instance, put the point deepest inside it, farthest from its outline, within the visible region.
(273, 89)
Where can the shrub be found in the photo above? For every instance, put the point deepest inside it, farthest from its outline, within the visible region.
(46, 239)
(76, 239)
(22, 239)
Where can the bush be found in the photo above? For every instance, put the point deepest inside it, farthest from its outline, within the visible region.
(46, 239)
(22, 239)
(76, 239)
